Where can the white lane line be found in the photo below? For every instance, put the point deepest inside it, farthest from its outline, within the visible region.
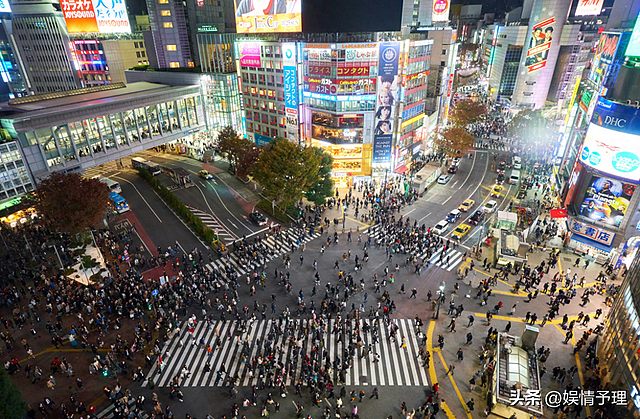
(225, 207)
(470, 171)
(410, 212)
(145, 201)
(425, 217)
(447, 200)
(212, 212)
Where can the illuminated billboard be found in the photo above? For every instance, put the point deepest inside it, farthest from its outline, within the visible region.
(4, 6)
(387, 86)
(589, 7)
(440, 10)
(633, 49)
(540, 44)
(261, 16)
(95, 16)
(249, 54)
(613, 153)
(603, 57)
(606, 200)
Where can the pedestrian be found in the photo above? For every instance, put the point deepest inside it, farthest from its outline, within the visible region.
(374, 393)
(460, 354)
(470, 405)
(472, 383)
(471, 320)
(450, 370)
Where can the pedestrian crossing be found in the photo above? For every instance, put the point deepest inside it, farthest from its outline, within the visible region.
(212, 222)
(447, 261)
(486, 145)
(109, 411)
(396, 366)
(276, 246)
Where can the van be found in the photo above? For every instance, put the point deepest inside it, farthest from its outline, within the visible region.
(517, 163)
(515, 177)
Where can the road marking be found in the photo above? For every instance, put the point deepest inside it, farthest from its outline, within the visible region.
(145, 201)
(577, 356)
(470, 171)
(454, 184)
(235, 226)
(225, 207)
(216, 218)
(481, 180)
(410, 212)
(446, 201)
(455, 387)
(425, 217)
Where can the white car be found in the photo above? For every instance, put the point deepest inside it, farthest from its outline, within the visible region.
(444, 179)
(490, 206)
(441, 227)
(517, 163)
(456, 162)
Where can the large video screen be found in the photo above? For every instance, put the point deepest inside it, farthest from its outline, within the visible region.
(606, 200)
(96, 16)
(612, 152)
(262, 16)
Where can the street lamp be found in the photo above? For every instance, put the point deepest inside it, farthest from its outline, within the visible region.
(344, 214)
(440, 294)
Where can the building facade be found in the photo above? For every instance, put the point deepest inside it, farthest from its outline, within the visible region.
(122, 55)
(90, 61)
(168, 22)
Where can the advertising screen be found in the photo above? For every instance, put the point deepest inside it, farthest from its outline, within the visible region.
(95, 16)
(4, 6)
(633, 49)
(606, 200)
(261, 16)
(440, 11)
(539, 44)
(385, 101)
(589, 7)
(614, 153)
(249, 54)
(604, 55)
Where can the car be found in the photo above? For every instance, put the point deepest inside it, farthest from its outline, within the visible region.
(502, 167)
(456, 162)
(453, 169)
(517, 163)
(461, 231)
(205, 175)
(441, 227)
(453, 216)
(444, 179)
(490, 206)
(257, 218)
(477, 217)
(466, 205)
(500, 179)
(496, 190)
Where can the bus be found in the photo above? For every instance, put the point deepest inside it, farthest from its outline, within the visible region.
(151, 167)
(118, 203)
(112, 184)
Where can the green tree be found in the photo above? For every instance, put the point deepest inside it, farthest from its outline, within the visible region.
(466, 112)
(71, 203)
(285, 170)
(323, 187)
(248, 159)
(231, 145)
(453, 141)
(11, 404)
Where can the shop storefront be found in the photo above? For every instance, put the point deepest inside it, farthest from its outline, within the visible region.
(193, 145)
(19, 217)
(349, 161)
(590, 241)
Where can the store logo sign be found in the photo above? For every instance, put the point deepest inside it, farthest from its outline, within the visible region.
(625, 162)
(616, 122)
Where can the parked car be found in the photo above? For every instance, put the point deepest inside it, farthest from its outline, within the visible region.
(441, 227)
(257, 218)
(453, 216)
(444, 179)
(466, 205)
(477, 217)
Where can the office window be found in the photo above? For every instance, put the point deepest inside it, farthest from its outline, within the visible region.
(163, 1)
(165, 13)
(167, 24)
(138, 54)
(174, 64)
(143, 55)
(141, 44)
(171, 48)
(191, 64)
(135, 44)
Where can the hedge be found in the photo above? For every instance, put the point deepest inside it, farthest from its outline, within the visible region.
(178, 207)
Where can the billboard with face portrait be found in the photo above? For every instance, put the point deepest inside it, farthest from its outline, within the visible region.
(263, 16)
(606, 200)
(387, 95)
(539, 44)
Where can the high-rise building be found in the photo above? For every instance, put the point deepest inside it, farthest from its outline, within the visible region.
(13, 83)
(123, 54)
(38, 35)
(90, 61)
(209, 17)
(168, 21)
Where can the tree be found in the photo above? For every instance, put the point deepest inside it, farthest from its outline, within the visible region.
(323, 187)
(231, 145)
(11, 404)
(71, 203)
(453, 141)
(285, 170)
(248, 159)
(466, 112)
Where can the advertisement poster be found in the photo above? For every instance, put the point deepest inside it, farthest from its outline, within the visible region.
(96, 16)
(382, 149)
(633, 49)
(440, 11)
(263, 16)
(290, 88)
(606, 200)
(385, 101)
(604, 55)
(389, 54)
(249, 54)
(339, 86)
(612, 153)
(589, 7)
(539, 45)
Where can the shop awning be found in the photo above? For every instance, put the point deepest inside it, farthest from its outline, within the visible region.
(400, 170)
(558, 213)
(591, 243)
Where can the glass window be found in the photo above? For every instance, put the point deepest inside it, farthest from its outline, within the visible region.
(30, 139)
(165, 13)
(152, 113)
(77, 134)
(66, 147)
(116, 123)
(174, 64)
(45, 137)
(105, 129)
(182, 112)
(141, 117)
(173, 117)
(171, 48)
(167, 25)
(191, 111)
(164, 115)
(92, 132)
(130, 125)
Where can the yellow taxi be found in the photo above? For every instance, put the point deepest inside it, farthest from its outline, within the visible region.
(496, 191)
(461, 231)
(466, 205)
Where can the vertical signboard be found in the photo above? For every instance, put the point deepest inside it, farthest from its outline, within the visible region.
(605, 53)
(289, 68)
(449, 90)
(249, 54)
(387, 91)
(633, 49)
(440, 11)
(540, 44)
(589, 7)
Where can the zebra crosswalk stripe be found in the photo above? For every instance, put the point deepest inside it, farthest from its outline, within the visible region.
(397, 367)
